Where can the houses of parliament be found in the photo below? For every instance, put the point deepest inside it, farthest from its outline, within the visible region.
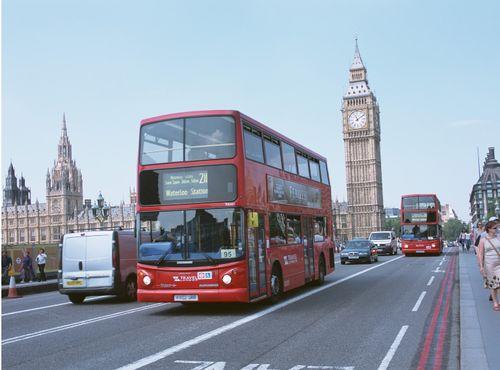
(64, 211)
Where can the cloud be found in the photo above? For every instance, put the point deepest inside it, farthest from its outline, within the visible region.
(471, 122)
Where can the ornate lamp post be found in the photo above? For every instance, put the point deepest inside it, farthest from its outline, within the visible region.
(100, 210)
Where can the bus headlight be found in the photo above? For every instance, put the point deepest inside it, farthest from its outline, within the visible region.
(226, 279)
(146, 280)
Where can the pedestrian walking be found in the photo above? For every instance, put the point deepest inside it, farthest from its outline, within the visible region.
(489, 257)
(27, 268)
(467, 241)
(462, 240)
(41, 260)
(6, 266)
(480, 233)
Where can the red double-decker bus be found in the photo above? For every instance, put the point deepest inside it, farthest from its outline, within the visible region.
(228, 211)
(421, 225)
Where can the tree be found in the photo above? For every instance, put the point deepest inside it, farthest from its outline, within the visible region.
(452, 229)
(393, 224)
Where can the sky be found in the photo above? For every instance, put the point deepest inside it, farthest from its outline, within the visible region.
(433, 66)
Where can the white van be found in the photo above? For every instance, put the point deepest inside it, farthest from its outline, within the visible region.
(385, 241)
(98, 263)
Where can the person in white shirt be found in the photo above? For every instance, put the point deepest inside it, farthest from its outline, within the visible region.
(41, 260)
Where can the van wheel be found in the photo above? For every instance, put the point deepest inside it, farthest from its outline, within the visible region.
(129, 293)
(276, 285)
(76, 298)
(321, 272)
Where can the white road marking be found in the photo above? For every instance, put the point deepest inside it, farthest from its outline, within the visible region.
(440, 263)
(201, 338)
(221, 365)
(390, 354)
(79, 323)
(417, 305)
(50, 306)
(430, 281)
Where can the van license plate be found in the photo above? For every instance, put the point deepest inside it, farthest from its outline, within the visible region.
(185, 297)
(75, 282)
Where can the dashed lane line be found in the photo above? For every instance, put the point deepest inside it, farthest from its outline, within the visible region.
(419, 301)
(394, 347)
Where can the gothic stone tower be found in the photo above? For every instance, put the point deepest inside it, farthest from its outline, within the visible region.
(64, 186)
(361, 128)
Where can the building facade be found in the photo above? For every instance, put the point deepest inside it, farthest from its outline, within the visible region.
(483, 198)
(13, 193)
(361, 131)
(64, 211)
(447, 213)
(340, 222)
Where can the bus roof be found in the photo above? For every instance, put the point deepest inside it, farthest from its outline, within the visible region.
(259, 125)
(419, 195)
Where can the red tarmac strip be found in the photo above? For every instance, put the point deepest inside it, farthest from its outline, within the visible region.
(445, 287)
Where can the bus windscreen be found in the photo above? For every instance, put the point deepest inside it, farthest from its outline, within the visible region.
(419, 232)
(188, 139)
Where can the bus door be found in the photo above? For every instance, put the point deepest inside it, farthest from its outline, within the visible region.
(256, 254)
(308, 248)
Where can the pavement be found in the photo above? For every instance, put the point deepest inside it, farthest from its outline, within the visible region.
(479, 324)
(33, 286)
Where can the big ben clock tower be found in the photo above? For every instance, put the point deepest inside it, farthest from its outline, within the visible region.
(361, 128)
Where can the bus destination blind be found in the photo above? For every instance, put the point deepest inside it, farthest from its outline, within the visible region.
(185, 184)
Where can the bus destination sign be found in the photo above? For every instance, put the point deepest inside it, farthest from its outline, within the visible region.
(292, 193)
(185, 184)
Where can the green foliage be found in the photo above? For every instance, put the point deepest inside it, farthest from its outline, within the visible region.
(393, 224)
(453, 228)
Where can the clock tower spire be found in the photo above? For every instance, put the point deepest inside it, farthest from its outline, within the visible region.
(361, 129)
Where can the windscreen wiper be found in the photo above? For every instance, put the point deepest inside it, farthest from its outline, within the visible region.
(209, 258)
(164, 255)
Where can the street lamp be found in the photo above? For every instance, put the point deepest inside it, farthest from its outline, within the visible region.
(100, 210)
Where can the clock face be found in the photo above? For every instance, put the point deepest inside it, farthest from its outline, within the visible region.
(357, 119)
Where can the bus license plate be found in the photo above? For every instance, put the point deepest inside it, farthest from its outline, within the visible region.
(185, 297)
(75, 282)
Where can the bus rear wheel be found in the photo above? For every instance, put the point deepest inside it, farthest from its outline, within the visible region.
(321, 272)
(276, 284)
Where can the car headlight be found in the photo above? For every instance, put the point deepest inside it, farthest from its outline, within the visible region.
(343, 254)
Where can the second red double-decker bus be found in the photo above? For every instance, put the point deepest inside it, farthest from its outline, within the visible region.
(228, 211)
(421, 226)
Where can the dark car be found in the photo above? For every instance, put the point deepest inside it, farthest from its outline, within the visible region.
(359, 250)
